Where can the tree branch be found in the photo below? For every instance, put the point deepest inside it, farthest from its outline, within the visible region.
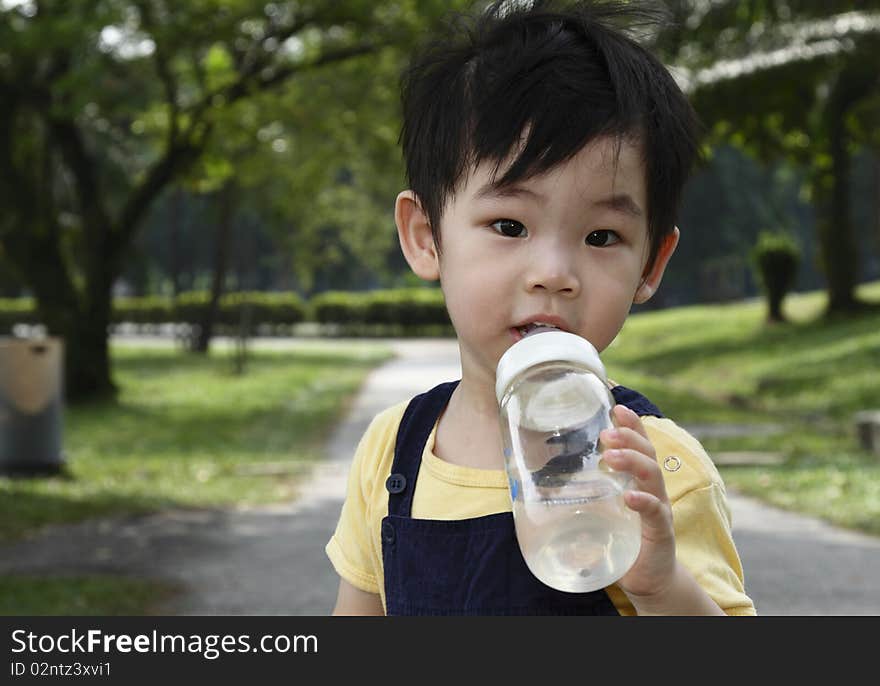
(280, 33)
(192, 141)
(250, 82)
(163, 69)
(175, 159)
(84, 169)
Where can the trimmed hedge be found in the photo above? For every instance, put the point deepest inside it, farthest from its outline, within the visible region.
(338, 307)
(146, 310)
(415, 307)
(16, 311)
(396, 311)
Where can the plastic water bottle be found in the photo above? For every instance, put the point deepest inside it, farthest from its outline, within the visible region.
(574, 529)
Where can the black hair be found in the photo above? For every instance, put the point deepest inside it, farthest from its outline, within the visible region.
(559, 73)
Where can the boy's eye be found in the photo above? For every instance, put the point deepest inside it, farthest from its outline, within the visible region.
(509, 228)
(602, 238)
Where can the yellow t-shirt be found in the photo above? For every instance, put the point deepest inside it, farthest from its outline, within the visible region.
(703, 539)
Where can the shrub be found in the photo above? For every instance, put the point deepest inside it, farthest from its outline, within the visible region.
(776, 258)
(273, 309)
(338, 307)
(16, 311)
(151, 309)
(190, 307)
(400, 311)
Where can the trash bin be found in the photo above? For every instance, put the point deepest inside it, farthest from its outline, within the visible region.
(31, 405)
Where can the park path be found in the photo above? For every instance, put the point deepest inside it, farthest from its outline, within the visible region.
(270, 560)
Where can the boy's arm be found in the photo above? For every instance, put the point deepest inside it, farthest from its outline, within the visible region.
(683, 596)
(657, 583)
(352, 601)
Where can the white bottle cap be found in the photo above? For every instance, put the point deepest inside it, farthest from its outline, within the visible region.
(546, 346)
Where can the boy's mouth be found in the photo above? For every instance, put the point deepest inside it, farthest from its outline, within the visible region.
(520, 331)
(529, 328)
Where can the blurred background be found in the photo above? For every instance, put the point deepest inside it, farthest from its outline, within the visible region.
(182, 182)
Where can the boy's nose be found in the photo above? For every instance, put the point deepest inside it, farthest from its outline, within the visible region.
(552, 270)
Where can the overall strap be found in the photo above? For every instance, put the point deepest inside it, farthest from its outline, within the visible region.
(412, 434)
(418, 422)
(635, 401)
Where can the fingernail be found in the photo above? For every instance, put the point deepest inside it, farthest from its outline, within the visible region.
(634, 497)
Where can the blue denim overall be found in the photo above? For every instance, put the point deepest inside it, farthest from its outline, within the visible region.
(468, 566)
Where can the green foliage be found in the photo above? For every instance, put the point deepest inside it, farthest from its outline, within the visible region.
(410, 306)
(190, 306)
(793, 81)
(144, 310)
(16, 311)
(103, 105)
(334, 307)
(403, 307)
(261, 308)
(402, 310)
(775, 259)
(252, 309)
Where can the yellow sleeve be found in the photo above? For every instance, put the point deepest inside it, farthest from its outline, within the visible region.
(704, 545)
(353, 549)
(701, 518)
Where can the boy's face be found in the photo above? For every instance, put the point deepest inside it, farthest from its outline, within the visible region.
(568, 248)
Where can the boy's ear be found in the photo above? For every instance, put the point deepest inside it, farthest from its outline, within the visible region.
(416, 239)
(651, 280)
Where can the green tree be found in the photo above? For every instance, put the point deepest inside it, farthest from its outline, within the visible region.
(104, 104)
(793, 79)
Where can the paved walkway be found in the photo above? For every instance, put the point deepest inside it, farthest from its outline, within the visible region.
(270, 560)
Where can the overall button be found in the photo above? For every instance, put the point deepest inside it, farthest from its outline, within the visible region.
(672, 463)
(395, 483)
(387, 532)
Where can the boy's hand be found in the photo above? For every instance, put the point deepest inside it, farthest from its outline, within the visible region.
(627, 449)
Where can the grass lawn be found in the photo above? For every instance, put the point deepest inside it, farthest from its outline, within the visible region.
(80, 595)
(185, 431)
(723, 364)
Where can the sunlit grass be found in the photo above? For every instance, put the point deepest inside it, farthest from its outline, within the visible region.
(81, 595)
(186, 431)
(724, 364)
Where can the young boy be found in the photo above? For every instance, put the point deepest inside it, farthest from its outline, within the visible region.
(546, 154)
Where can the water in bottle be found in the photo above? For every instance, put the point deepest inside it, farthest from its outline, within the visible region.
(574, 530)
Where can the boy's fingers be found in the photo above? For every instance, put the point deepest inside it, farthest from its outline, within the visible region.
(624, 437)
(643, 468)
(627, 418)
(627, 448)
(656, 517)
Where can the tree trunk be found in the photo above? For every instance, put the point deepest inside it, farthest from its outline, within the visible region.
(174, 221)
(87, 369)
(840, 260)
(774, 310)
(221, 260)
(81, 318)
(837, 241)
(877, 199)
